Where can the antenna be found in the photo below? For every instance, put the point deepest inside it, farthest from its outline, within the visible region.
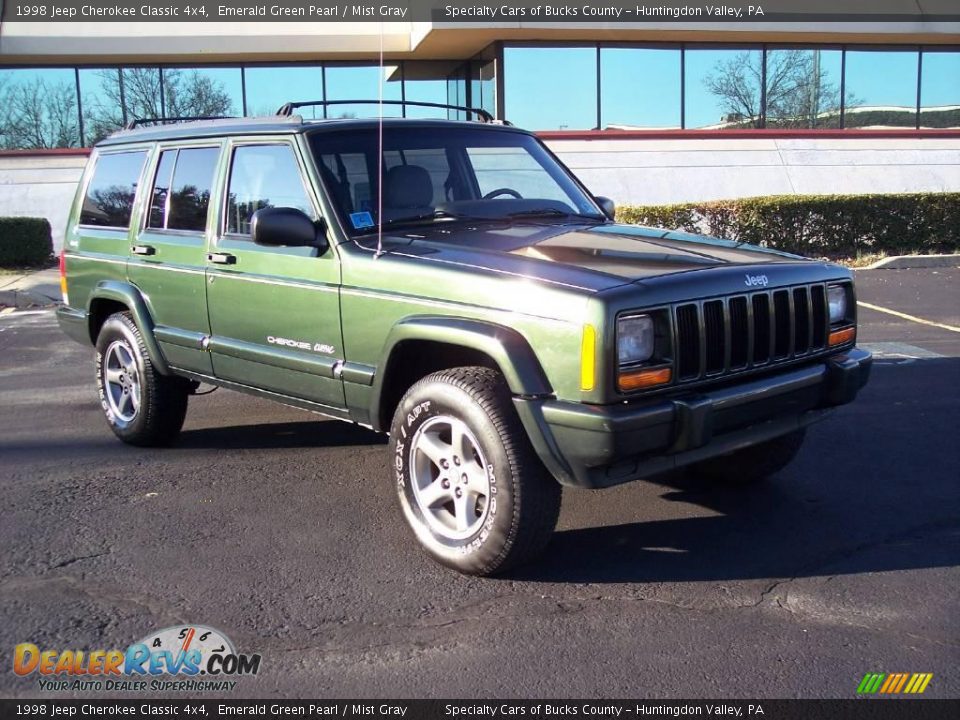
(380, 152)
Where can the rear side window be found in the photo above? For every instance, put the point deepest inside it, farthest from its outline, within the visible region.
(112, 189)
(263, 176)
(181, 189)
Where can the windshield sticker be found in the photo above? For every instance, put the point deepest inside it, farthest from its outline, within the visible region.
(361, 220)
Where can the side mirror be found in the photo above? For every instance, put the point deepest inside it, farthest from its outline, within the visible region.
(608, 206)
(286, 227)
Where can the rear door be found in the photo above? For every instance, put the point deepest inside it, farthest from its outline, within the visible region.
(98, 242)
(169, 255)
(274, 311)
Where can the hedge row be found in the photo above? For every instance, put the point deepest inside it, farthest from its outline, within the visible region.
(832, 226)
(25, 242)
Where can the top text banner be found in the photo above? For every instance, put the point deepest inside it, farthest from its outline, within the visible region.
(467, 11)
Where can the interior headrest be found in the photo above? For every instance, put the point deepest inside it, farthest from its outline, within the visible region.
(407, 186)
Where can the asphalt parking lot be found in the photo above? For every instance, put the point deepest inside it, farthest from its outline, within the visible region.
(282, 531)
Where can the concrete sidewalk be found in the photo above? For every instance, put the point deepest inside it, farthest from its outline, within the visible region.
(40, 288)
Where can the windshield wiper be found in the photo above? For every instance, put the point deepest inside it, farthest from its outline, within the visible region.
(552, 212)
(432, 215)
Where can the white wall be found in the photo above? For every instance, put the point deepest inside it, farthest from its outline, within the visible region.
(628, 171)
(40, 186)
(643, 172)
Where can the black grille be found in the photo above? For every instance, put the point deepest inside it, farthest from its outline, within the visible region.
(730, 334)
(688, 342)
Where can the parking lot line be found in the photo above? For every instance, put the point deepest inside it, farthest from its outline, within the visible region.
(913, 318)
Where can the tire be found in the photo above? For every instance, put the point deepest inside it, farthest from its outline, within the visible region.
(470, 485)
(142, 406)
(752, 464)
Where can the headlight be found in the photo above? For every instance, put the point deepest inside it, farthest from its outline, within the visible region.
(634, 339)
(837, 300)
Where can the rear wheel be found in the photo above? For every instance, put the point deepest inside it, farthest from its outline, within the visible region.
(142, 406)
(752, 464)
(470, 485)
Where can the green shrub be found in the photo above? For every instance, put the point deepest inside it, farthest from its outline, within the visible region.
(832, 226)
(25, 242)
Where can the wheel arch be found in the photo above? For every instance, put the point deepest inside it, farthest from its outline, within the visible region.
(112, 296)
(437, 343)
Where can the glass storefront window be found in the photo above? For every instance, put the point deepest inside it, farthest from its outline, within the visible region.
(639, 87)
(38, 109)
(100, 99)
(803, 88)
(483, 85)
(881, 88)
(202, 92)
(428, 82)
(940, 90)
(270, 87)
(551, 88)
(544, 88)
(722, 88)
(361, 82)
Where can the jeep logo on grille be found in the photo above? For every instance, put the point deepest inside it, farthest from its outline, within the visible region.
(754, 280)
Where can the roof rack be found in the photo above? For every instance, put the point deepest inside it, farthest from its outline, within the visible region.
(287, 109)
(140, 122)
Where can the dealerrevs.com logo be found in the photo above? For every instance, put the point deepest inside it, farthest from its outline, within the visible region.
(184, 658)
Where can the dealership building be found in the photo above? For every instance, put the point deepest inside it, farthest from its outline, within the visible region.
(643, 112)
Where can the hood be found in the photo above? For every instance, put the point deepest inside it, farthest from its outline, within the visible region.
(595, 257)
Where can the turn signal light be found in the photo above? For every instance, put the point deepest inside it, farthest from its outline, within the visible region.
(588, 354)
(839, 337)
(638, 379)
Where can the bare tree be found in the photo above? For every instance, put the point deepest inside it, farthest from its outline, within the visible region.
(38, 114)
(799, 91)
(185, 93)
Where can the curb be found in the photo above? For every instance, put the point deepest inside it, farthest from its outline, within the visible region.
(21, 299)
(910, 262)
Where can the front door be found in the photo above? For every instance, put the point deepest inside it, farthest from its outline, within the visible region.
(274, 311)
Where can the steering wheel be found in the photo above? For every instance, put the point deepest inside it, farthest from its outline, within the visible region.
(503, 191)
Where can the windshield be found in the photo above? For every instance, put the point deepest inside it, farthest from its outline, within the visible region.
(445, 174)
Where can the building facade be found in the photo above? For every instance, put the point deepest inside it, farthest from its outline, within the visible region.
(643, 112)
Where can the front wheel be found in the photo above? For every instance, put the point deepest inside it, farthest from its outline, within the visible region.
(752, 464)
(470, 485)
(142, 406)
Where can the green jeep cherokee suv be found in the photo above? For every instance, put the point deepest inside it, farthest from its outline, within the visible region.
(450, 283)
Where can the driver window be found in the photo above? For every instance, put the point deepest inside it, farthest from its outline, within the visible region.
(263, 176)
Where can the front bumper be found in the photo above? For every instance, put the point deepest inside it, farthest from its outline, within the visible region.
(598, 446)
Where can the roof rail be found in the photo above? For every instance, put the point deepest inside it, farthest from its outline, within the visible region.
(139, 122)
(287, 109)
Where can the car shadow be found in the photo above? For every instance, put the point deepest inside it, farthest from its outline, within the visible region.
(306, 434)
(874, 489)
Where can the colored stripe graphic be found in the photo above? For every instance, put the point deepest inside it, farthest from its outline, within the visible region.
(870, 683)
(894, 683)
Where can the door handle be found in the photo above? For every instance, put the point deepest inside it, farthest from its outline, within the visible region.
(222, 258)
(143, 250)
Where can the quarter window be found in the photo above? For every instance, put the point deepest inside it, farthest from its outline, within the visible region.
(263, 176)
(112, 189)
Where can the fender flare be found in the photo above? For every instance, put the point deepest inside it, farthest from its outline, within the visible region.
(130, 296)
(506, 347)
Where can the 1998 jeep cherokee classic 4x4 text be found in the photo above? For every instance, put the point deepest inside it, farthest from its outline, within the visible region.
(453, 284)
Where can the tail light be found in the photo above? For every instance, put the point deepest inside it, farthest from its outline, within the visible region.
(63, 277)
